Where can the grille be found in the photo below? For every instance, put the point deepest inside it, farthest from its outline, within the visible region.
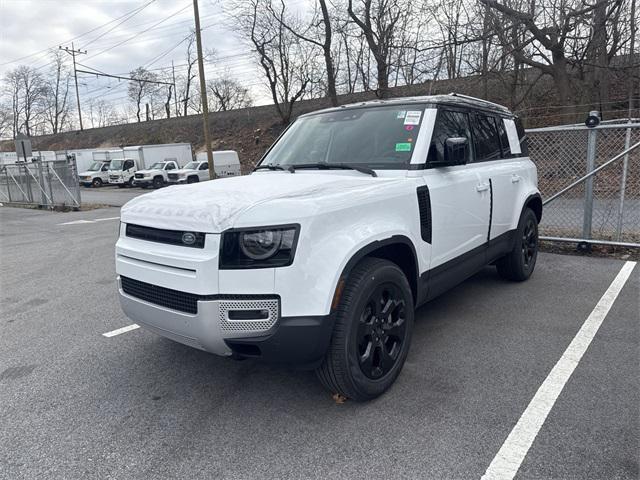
(165, 297)
(114, 177)
(173, 176)
(424, 205)
(172, 237)
(139, 175)
(270, 306)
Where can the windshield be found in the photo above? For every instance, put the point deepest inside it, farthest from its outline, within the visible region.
(116, 164)
(375, 137)
(157, 166)
(95, 166)
(191, 166)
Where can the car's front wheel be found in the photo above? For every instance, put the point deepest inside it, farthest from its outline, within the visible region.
(518, 264)
(97, 182)
(158, 182)
(372, 333)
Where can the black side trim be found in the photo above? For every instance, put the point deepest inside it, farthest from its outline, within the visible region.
(424, 205)
(298, 341)
(441, 278)
(490, 209)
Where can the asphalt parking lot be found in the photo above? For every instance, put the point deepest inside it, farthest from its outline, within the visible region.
(77, 404)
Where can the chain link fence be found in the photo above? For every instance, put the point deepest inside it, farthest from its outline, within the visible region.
(43, 183)
(601, 205)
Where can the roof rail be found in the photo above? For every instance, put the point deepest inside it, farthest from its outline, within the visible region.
(453, 94)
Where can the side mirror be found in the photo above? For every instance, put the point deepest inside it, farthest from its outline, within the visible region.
(455, 150)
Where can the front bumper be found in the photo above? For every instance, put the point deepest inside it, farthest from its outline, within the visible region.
(142, 181)
(118, 180)
(222, 325)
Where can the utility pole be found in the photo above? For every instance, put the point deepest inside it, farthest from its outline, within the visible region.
(175, 90)
(203, 93)
(73, 52)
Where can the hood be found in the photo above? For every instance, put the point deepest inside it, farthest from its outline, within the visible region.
(183, 170)
(214, 206)
(88, 173)
(148, 171)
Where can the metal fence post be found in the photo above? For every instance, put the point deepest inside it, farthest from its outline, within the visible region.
(43, 197)
(53, 201)
(623, 183)
(6, 176)
(28, 183)
(588, 184)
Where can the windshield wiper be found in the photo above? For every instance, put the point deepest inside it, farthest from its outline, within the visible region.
(336, 166)
(272, 167)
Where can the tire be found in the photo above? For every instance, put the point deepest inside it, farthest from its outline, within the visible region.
(367, 350)
(193, 179)
(96, 183)
(158, 182)
(130, 183)
(518, 265)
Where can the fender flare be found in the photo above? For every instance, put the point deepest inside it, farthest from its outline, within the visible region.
(366, 251)
(528, 200)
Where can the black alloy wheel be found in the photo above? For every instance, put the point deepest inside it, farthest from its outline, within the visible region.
(382, 329)
(519, 263)
(158, 182)
(371, 333)
(529, 242)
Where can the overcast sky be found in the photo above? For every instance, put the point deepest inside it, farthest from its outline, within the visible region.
(29, 28)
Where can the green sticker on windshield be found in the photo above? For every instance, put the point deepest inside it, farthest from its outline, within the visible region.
(403, 147)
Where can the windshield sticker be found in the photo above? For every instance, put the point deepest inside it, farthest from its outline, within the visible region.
(400, 114)
(412, 117)
(403, 147)
(408, 128)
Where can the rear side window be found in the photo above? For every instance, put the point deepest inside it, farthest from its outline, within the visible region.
(449, 124)
(204, 166)
(486, 137)
(523, 138)
(504, 140)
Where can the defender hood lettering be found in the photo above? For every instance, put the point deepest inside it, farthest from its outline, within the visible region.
(214, 206)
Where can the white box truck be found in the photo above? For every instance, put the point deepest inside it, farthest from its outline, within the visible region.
(143, 157)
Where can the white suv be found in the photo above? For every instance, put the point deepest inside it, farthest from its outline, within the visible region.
(353, 218)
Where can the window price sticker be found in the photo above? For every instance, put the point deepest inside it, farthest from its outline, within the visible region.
(412, 117)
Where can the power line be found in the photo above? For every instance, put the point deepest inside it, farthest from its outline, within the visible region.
(138, 34)
(117, 25)
(73, 53)
(67, 41)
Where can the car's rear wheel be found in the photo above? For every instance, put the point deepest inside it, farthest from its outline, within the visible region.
(193, 179)
(518, 265)
(158, 182)
(96, 182)
(372, 333)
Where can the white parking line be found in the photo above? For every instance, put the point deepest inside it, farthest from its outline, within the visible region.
(119, 331)
(78, 222)
(506, 463)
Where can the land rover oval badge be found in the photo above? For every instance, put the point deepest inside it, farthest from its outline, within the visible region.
(188, 238)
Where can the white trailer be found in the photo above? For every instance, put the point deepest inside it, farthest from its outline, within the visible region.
(225, 162)
(9, 158)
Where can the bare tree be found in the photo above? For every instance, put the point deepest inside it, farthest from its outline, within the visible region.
(56, 94)
(279, 54)
(319, 32)
(378, 20)
(228, 94)
(140, 88)
(25, 87)
(101, 113)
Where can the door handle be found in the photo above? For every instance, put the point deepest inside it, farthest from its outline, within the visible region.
(482, 187)
(515, 178)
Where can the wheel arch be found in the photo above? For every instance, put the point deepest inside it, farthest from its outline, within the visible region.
(534, 202)
(397, 249)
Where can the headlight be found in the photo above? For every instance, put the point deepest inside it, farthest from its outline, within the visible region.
(258, 247)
